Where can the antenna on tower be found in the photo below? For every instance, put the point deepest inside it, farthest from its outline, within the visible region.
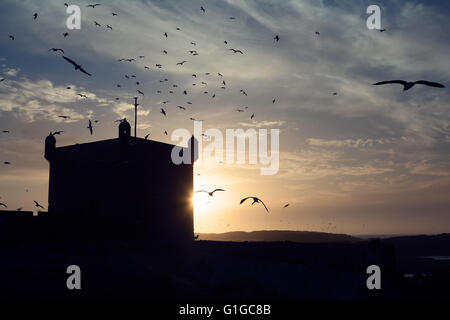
(135, 115)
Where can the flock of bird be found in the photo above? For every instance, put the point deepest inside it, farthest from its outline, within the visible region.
(193, 52)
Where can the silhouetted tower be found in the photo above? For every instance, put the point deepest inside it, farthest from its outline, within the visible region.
(135, 115)
(124, 129)
(50, 145)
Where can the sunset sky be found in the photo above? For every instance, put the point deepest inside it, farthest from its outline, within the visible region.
(369, 160)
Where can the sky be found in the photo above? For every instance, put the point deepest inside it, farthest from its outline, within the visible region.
(369, 160)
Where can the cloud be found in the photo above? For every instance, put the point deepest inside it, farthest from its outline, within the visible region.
(11, 72)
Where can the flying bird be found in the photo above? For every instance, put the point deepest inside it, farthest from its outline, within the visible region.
(163, 112)
(255, 200)
(276, 38)
(38, 205)
(90, 126)
(76, 65)
(97, 24)
(140, 92)
(65, 34)
(203, 9)
(114, 14)
(286, 205)
(93, 5)
(64, 117)
(181, 108)
(146, 137)
(253, 115)
(56, 50)
(35, 16)
(236, 51)
(11, 37)
(165, 34)
(109, 27)
(408, 85)
(210, 193)
(58, 132)
(2, 204)
(181, 63)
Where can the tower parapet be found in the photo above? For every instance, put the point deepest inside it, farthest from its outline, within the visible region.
(124, 129)
(50, 146)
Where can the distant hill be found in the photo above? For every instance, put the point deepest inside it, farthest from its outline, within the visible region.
(278, 235)
(422, 244)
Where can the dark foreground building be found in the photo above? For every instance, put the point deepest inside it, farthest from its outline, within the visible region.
(121, 188)
(126, 188)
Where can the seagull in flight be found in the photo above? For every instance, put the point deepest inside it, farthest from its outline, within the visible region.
(140, 92)
(163, 112)
(93, 5)
(64, 117)
(76, 65)
(97, 24)
(56, 50)
(286, 205)
(236, 51)
(255, 200)
(203, 9)
(38, 205)
(11, 37)
(408, 85)
(90, 126)
(210, 193)
(276, 38)
(2, 204)
(181, 63)
(35, 16)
